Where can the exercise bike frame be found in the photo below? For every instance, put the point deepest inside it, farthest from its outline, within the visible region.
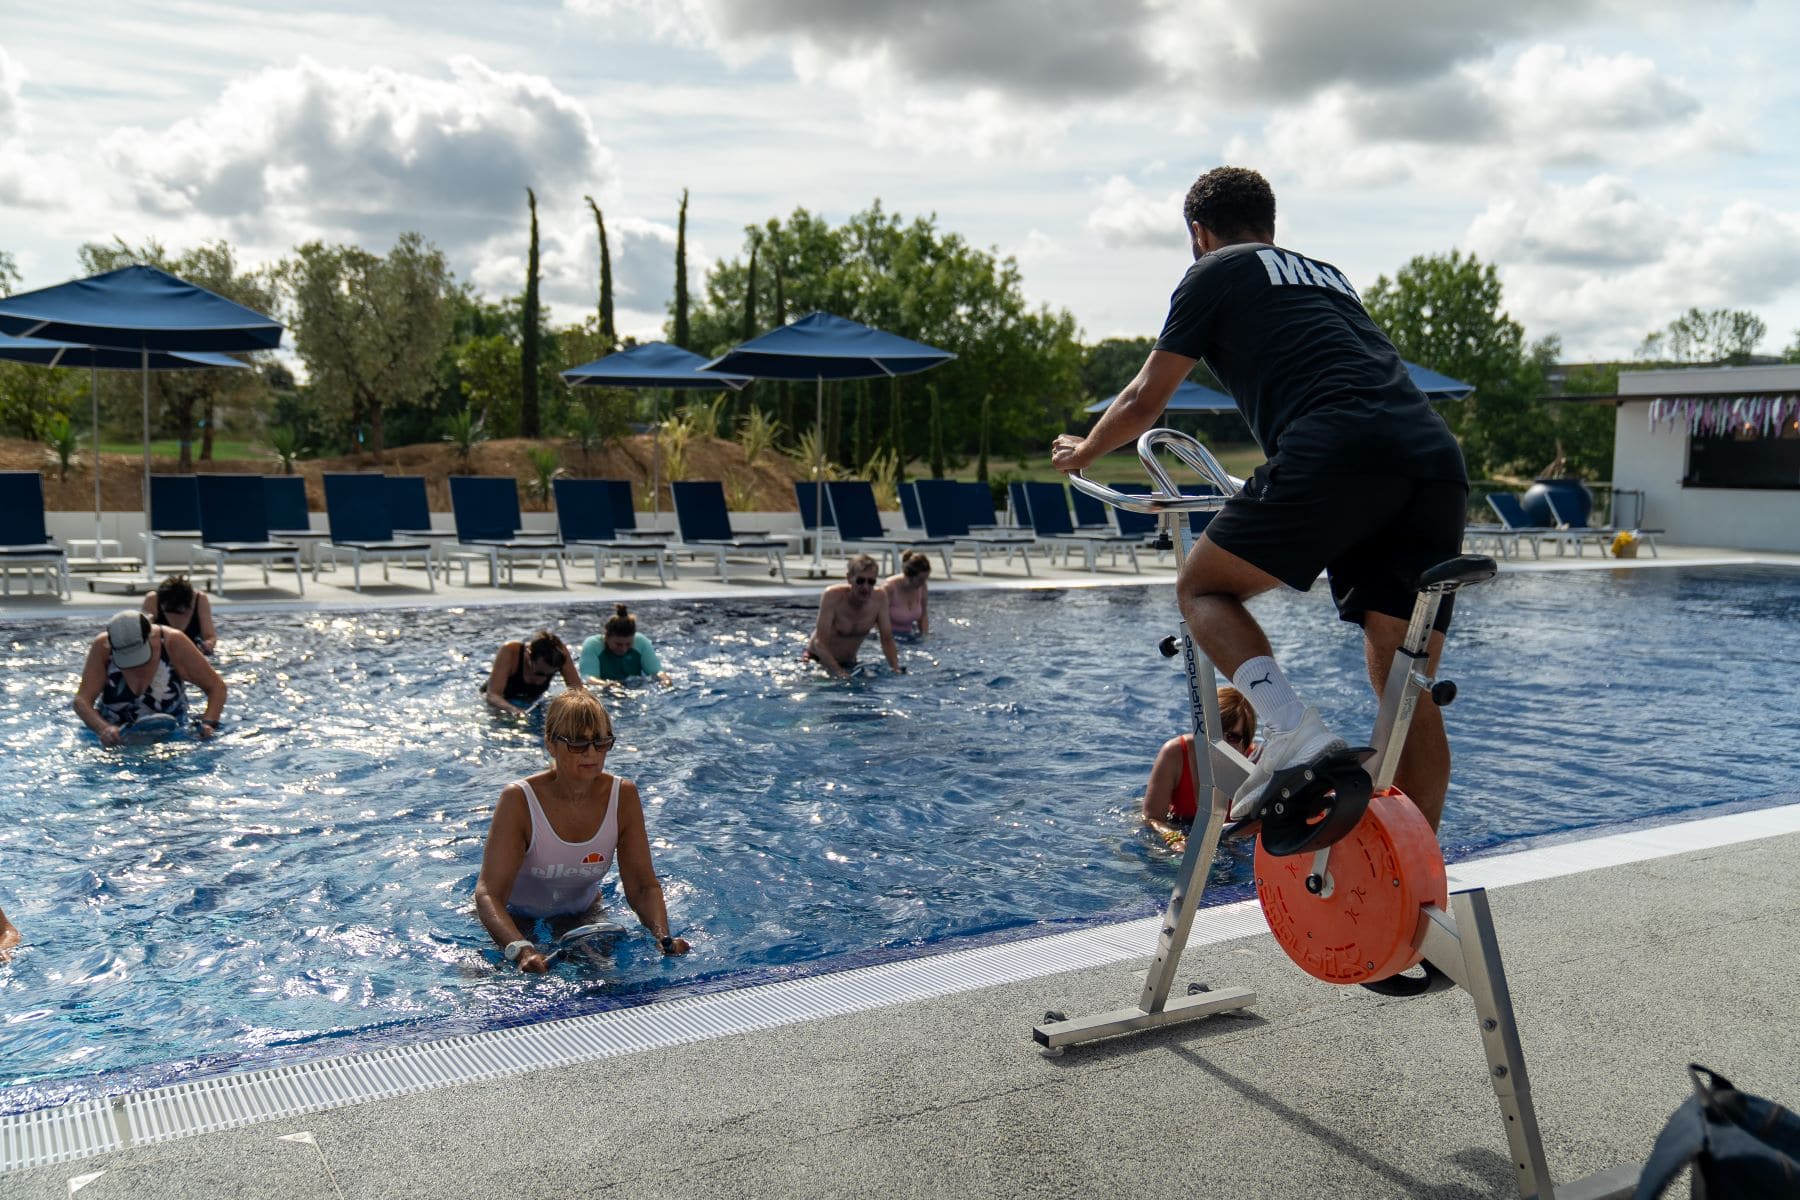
(1459, 945)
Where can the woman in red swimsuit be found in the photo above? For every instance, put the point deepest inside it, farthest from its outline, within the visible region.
(1170, 802)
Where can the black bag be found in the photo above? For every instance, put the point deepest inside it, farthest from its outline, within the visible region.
(1740, 1145)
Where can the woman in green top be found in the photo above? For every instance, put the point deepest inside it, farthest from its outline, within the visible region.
(621, 652)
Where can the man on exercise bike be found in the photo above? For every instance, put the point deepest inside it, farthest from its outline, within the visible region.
(1363, 480)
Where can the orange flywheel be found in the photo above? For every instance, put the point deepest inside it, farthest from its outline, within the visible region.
(1368, 924)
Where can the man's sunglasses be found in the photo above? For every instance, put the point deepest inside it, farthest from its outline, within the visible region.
(600, 744)
(865, 580)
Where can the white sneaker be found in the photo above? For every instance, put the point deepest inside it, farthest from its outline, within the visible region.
(1296, 747)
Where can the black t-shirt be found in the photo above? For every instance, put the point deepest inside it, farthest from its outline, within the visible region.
(1311, 373)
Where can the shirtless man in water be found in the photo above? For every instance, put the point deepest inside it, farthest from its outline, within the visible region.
(847, 611)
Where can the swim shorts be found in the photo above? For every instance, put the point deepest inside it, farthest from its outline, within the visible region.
(1374, 534)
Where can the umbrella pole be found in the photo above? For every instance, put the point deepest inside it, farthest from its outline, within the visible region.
(94, 396)
(145, 373)
(655, 459)
(818, 559)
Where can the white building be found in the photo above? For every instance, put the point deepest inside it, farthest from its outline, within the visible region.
(1715, 452)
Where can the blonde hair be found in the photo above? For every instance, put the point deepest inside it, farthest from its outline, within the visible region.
(578, 716)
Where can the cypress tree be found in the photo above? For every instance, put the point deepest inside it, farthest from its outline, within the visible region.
(681, 292)
(609, 334)
(897, 431)
(937, 433)
(784, 404)
(987, 413)
(528, 345)
(750, 290)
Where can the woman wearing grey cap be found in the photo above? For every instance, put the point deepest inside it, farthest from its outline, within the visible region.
(136, 668)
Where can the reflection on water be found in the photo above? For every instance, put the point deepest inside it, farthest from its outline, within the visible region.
(307, 879)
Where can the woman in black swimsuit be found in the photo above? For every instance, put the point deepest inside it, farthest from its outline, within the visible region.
(178, 605)
(136, 668)
(523, 670)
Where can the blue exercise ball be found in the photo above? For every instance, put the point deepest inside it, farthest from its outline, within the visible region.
(1573, 502)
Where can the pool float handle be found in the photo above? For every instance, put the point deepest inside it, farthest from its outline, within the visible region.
(1165, 496)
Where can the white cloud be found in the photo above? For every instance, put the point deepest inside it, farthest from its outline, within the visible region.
(1602, 266)
(29, 180)
(1129, 216)
(365, 154)
(1488, 124)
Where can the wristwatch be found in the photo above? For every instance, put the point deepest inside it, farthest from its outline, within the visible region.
(667, 942)
(514, 949)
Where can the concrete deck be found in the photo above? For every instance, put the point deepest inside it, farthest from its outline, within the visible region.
(1620, 977)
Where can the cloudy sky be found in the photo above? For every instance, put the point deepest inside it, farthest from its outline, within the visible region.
(1619, 160)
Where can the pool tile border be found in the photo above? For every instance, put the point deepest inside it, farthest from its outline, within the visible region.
(90, 1126)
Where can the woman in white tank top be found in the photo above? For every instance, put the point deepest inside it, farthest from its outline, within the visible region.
(556, 833)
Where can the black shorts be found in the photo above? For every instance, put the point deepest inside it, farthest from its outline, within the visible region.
(1374, 534)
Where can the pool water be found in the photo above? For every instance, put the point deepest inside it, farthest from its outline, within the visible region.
(304, 884)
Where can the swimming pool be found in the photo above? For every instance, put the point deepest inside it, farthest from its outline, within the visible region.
(304, 885)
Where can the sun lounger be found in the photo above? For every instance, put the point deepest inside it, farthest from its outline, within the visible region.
(584, 515)
(701, 516)
(1512, 516)
(946, 507)
(25, 543)
(624, 511)
(234, 527)
(851, 503)
(357, 521)
(486, 511)
(284, 497)
(174, 517)
(1047, 508)
(909, 507)
(1603, 535)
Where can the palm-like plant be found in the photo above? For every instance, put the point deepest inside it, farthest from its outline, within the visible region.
(62, 440)
(704, 417)
(740, 493)
(544, 470)
(813, 464)
(584, 429)
(463, 430)
(285, 445)
(757, 433)
(673, 440)
(883, 473)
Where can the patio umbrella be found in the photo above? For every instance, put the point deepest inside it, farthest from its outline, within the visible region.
(143, 309)
(651, 365)
(1436, 386)
(40, 353)
(1193, 397)
(820, 346)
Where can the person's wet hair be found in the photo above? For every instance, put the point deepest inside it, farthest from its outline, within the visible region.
(1235, 711)
(621, 623)
(546, 648)
(576, 716)
(175, 592)
(1233, 202)
(858, 564)
(915, 564)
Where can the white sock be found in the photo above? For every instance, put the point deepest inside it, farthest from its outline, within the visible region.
(1263, 684)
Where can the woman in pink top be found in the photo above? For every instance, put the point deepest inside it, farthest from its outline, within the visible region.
(555, 834)
(907, 601)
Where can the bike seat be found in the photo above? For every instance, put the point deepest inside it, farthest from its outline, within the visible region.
(1465, 570)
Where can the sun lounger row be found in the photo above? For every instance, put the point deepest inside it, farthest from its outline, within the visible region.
(1517, 529)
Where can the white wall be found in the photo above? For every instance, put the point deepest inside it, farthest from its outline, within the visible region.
(1653, 461)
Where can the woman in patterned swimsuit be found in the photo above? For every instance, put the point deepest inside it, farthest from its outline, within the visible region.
(136, 668)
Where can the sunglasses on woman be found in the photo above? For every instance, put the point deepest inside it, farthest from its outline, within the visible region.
(601, 744)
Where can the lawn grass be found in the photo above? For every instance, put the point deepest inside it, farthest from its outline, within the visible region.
(223, 451)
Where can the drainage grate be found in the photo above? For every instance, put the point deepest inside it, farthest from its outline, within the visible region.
(87, 1127)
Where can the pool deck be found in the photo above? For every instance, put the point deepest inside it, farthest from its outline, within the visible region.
(332, 589)
(1620, 976)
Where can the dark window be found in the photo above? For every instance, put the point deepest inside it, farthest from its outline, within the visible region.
(1747, 459)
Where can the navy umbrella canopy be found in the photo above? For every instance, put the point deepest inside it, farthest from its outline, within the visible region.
(651, 365)
(39, 353)
(143, 309)
(138, 308)
(1437, 386)
(820, 346)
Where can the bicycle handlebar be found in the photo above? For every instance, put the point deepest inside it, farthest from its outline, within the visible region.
(1165, 496)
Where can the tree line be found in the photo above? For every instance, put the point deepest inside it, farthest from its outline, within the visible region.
(397, 350)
